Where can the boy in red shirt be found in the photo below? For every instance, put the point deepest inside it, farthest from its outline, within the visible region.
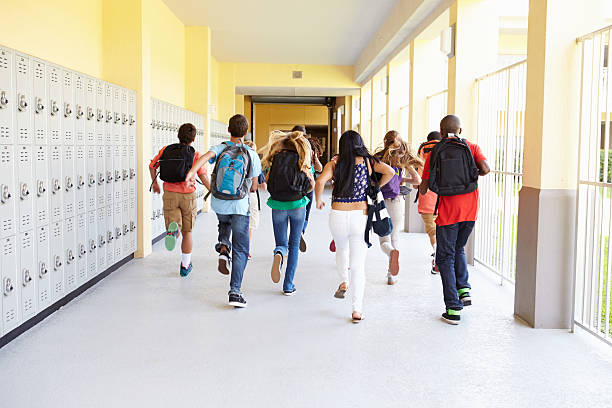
(455, 222)
(180, 209)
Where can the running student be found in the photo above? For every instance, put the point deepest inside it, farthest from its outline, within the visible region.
(254, 204)
(456, 212)
(234, 176)
(348, 216)
(287, 163)
(397, 154)
(180, 209)
(427, 202)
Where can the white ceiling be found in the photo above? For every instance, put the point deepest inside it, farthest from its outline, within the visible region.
(286, 31)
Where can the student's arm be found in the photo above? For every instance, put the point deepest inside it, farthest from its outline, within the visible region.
(326, 175)
(424, 186)
(199, 163)
(483, 168)
(386, 171)
(205, 180)
(414, 178)
(316, 164)
(255, 171)
(153, 173)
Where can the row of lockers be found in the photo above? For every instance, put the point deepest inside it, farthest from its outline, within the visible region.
(165, 122)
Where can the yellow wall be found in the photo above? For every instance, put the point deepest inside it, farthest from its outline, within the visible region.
(284, 117)
(226, 92)
(65, 32)
(512, 44)
(280, 75)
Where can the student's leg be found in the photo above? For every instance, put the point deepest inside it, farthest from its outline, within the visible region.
(280, 222)
(445, 259)
(308, 207)
(240, 251)
(339, 227)
(296, 222)
(430, 227)
(357, 256)
(172, 213)
(225, 231)
(395, 208)
(461, 270)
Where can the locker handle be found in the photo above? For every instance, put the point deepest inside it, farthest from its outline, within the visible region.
(132, 173)
(132, 225)
(23, 103)
(92, 180)
(40, 106)
(67, 110)
(126, 229)
(102, 241)
(26, 277)
(8, 286)
(124, 119)
(56, 186)
(54, 108)
(109, 116)
(79, 112)
(82, 251)
(126, 174)
(109, 236)
(25, 191)
(69, 256)
(6, 195)
(3, 100)
(100, 178)
(41, 188)
(132, 121)
(80, 182)
(69, 184)
(100, 115)
(109, 176)
(117, 117)
(90, 114)
(43, 270)
(58, 262)
(117, 175)
(117, 232)
(92, 245)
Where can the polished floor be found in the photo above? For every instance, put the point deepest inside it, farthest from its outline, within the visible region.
(143, 337)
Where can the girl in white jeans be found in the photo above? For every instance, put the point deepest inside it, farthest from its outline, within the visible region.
(397, 154)
(348, 217)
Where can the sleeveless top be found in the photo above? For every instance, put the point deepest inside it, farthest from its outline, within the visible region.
(360, 184)
(392, 188)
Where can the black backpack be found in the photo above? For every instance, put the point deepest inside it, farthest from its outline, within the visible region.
(452, 168)
(175, 162)
(286, 182)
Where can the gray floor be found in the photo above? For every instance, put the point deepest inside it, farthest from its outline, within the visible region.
(144, 337)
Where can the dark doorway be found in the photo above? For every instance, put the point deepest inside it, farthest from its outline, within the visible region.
(321, 133)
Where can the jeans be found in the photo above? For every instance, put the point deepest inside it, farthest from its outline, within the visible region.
(288, 248)
(347, 228)
(308, 207)
(450, 258)
(238, 227)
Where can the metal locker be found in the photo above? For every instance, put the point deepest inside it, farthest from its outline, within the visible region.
(118, 230)
(70, 254)
(118, 173)
(55, 107)
(133, 209)
(110, 174)
(56, 184)
(100, 114)
(68, 108)
(125, 172)
(27, 275)
(80, 108)
(101, 176)
(92, 244)
(125, 116)
(132, 169)
(7, 98)
(43, 267)
(10, 294)
(25, 183)
(81, 249)
(110, 236)
(126, 235)
(116, 115)
(68, 181)
(80, 181)
(132, 118)
(23, 99)
(91, 179)
(39, 190)
(40, 102)
(90, 111)
(101, 215)
(109, 116)
(56, 267)
(8, 192)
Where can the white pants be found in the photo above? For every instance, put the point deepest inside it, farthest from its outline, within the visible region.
(347, 228)
(395, 208)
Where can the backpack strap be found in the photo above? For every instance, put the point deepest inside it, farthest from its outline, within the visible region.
(258, 200)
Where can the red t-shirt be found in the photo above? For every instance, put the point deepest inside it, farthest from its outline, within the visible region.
(177, 187)
(462, 207)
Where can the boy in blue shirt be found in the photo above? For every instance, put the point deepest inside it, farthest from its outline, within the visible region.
(233, 214)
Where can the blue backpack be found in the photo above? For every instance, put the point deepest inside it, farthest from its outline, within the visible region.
(230, 178)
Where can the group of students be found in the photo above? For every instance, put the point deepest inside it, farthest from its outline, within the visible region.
(445, 164)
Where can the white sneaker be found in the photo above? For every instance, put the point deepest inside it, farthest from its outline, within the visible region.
(391, 280)
(224, 263)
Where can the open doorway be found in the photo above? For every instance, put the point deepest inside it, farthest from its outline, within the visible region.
(322, 133)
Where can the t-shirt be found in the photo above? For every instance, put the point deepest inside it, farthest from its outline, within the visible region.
(177, 187)
(462, 207)
(427, 202)
(288, 205)
(239, 207)
(392, 188)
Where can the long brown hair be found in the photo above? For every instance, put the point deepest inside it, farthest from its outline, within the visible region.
(292, 141)
(396, 152)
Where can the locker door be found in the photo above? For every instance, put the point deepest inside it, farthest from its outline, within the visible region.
(92, 244)
(41, 184)
(70, 254)
(132, 167)
(81, 248)
(68, 108)
(7, 98)
(91, 179)
(101, 177)
(133, 226)
(10, 293)
(8, 210)
(90, 111)
(55, 183)
(117, 115)
(80, 184)
(125, 172)
(110, 118)
(101, 215)
(24, 185)
(27, 274)
(100, 113)
(127, 236)
(40, 105)
(80, 108)
(118, 170)
(118, 230)
(154, 126)
(125, 116)
(43, 267)
(55, 105)
(23, 97)
(110, 174)
(56, 269)
(69, 180)
(110, 235)
(132, 122)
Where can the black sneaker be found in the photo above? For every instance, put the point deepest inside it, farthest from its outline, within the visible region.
(464, 297)
(224, 262)
(452, 316)
(237, 300)
(289, 292)
(302, 243)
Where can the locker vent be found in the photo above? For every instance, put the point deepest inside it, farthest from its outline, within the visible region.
(57, 213)
(24, 155)
(82, 273)
(92, 268)
(55, 154)
(26, 221)
(69, 225)
(27, 305)
(90, 137)
(22, 67)
(69, 209)
(68, 136)
(7, 225)
(40, 135)
(80, 136)
(42, 216)
(9, 316)
(55, 136)
(7, 247)
(57, 230)
(70, 280)
(43, 295)
(67, 79)
(80, 153)
(41, 154)
(5, 156)
(3, 60)
(42, 235)
(24, 135)
(54, 76)
(68, 153)
(58, 288)
(4, 133)
(79, 83)
(26, 241)
(39, 72)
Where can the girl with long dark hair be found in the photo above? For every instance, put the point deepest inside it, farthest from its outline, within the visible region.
(351, 173)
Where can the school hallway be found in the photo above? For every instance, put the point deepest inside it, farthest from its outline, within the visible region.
(146, 337)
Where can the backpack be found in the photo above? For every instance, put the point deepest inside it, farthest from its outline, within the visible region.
(286, 182)
(230, 178)
(452, 168)
(424, 152)
(378, 220)
(175, 162)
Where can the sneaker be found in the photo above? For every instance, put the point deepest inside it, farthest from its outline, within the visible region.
(464, 296)
(171, 236)
(224, 263)
(434, 267)
(394, 262)
(250, 257)
(277, 264)
(452, 316)
(186, 271)
(332, 246)
(302, 243)
(391, 280)
(289, 292)
(236, 300)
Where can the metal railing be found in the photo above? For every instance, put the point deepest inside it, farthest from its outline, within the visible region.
(593, 278)
(500, 124)
(436, 109)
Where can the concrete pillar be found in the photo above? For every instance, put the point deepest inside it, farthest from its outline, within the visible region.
(546, 236)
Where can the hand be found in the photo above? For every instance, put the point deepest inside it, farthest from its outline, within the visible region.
(156, 189)
(191, 183)
(320, 204)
